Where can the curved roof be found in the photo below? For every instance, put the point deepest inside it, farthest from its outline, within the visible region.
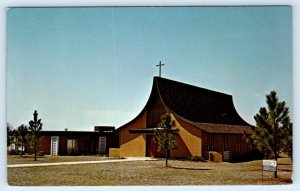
(193, 103)
(198, 104)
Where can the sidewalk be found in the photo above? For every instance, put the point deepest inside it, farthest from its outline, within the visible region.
(82, 162)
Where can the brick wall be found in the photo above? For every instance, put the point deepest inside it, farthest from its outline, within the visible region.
(236, 144)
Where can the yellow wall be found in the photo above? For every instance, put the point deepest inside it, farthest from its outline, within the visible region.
(114, 152)
(133, 145)
(188, 140)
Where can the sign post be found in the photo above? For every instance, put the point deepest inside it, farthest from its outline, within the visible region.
(269, 165)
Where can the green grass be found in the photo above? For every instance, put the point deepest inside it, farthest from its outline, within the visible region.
(151, 173)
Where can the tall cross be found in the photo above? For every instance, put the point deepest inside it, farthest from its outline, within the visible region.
(160, 65)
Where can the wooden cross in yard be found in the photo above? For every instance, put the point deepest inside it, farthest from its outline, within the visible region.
(160, 65)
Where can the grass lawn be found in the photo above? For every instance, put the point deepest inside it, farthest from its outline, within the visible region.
(151, 173)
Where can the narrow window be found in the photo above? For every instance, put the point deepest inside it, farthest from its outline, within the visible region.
(238, 143)
(72, 146)
(211, 143)
(102, 145)
(225, 142)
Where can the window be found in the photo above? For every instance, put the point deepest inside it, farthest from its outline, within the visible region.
(72, 146)
(102, 145)
(238, 143)
(211, 143)
(225, 142)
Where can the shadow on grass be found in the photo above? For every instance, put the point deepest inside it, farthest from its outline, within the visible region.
(285, 170)
(185, 168)
(32, 156)
(286, 180)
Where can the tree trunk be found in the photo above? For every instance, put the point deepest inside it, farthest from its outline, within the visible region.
(276, 147)
(35, 150)
(275, 173)
(166, 157)
(22, 149)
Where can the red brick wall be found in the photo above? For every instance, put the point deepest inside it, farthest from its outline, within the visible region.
(236, 144)
(83, 146)
(45, 145)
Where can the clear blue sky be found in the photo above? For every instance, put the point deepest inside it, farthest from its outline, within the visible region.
(81, 67)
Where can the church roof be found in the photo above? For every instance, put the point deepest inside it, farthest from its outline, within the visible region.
(223, 128)
(197, 104)
(208, 110)
(218, 128)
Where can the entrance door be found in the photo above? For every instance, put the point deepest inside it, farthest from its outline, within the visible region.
(154, 152)
(102, 145)
(54, 145)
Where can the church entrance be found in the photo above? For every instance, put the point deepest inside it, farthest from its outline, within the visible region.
(152, 148)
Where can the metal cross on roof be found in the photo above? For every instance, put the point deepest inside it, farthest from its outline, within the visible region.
(160, 65)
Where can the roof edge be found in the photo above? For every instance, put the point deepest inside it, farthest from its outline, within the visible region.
(144, 108)
(194, 86)
(218, 124)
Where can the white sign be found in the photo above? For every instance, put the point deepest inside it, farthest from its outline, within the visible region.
(269, 165)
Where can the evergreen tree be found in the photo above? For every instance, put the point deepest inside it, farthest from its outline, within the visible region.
(267, 134)
(10, 134)
(22, 134)
(35, 126)
(165, 134)
(286, 134)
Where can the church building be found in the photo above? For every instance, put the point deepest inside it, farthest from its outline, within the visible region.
(208, 124)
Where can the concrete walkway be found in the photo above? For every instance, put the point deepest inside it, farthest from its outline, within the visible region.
(82, 162)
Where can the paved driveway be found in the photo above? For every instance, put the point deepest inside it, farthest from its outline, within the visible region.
(82, 162)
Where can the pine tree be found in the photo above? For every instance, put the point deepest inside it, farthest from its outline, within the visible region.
(165, 134)
(267, 135)
(22, 133)
(286, 134)
(10, 134)
(35, 126)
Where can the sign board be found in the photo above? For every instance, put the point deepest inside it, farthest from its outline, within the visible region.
(269, 165)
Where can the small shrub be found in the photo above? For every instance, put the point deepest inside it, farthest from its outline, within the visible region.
(40, 153)
(212, 157)
(13, 152)
(183, 158)
(198, 158)
(21, 152)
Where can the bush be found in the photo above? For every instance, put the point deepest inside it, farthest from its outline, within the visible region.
(40, 153)
(211, 157)
(21, 152)
(183, 158)
(13, 152)
(198, 158)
